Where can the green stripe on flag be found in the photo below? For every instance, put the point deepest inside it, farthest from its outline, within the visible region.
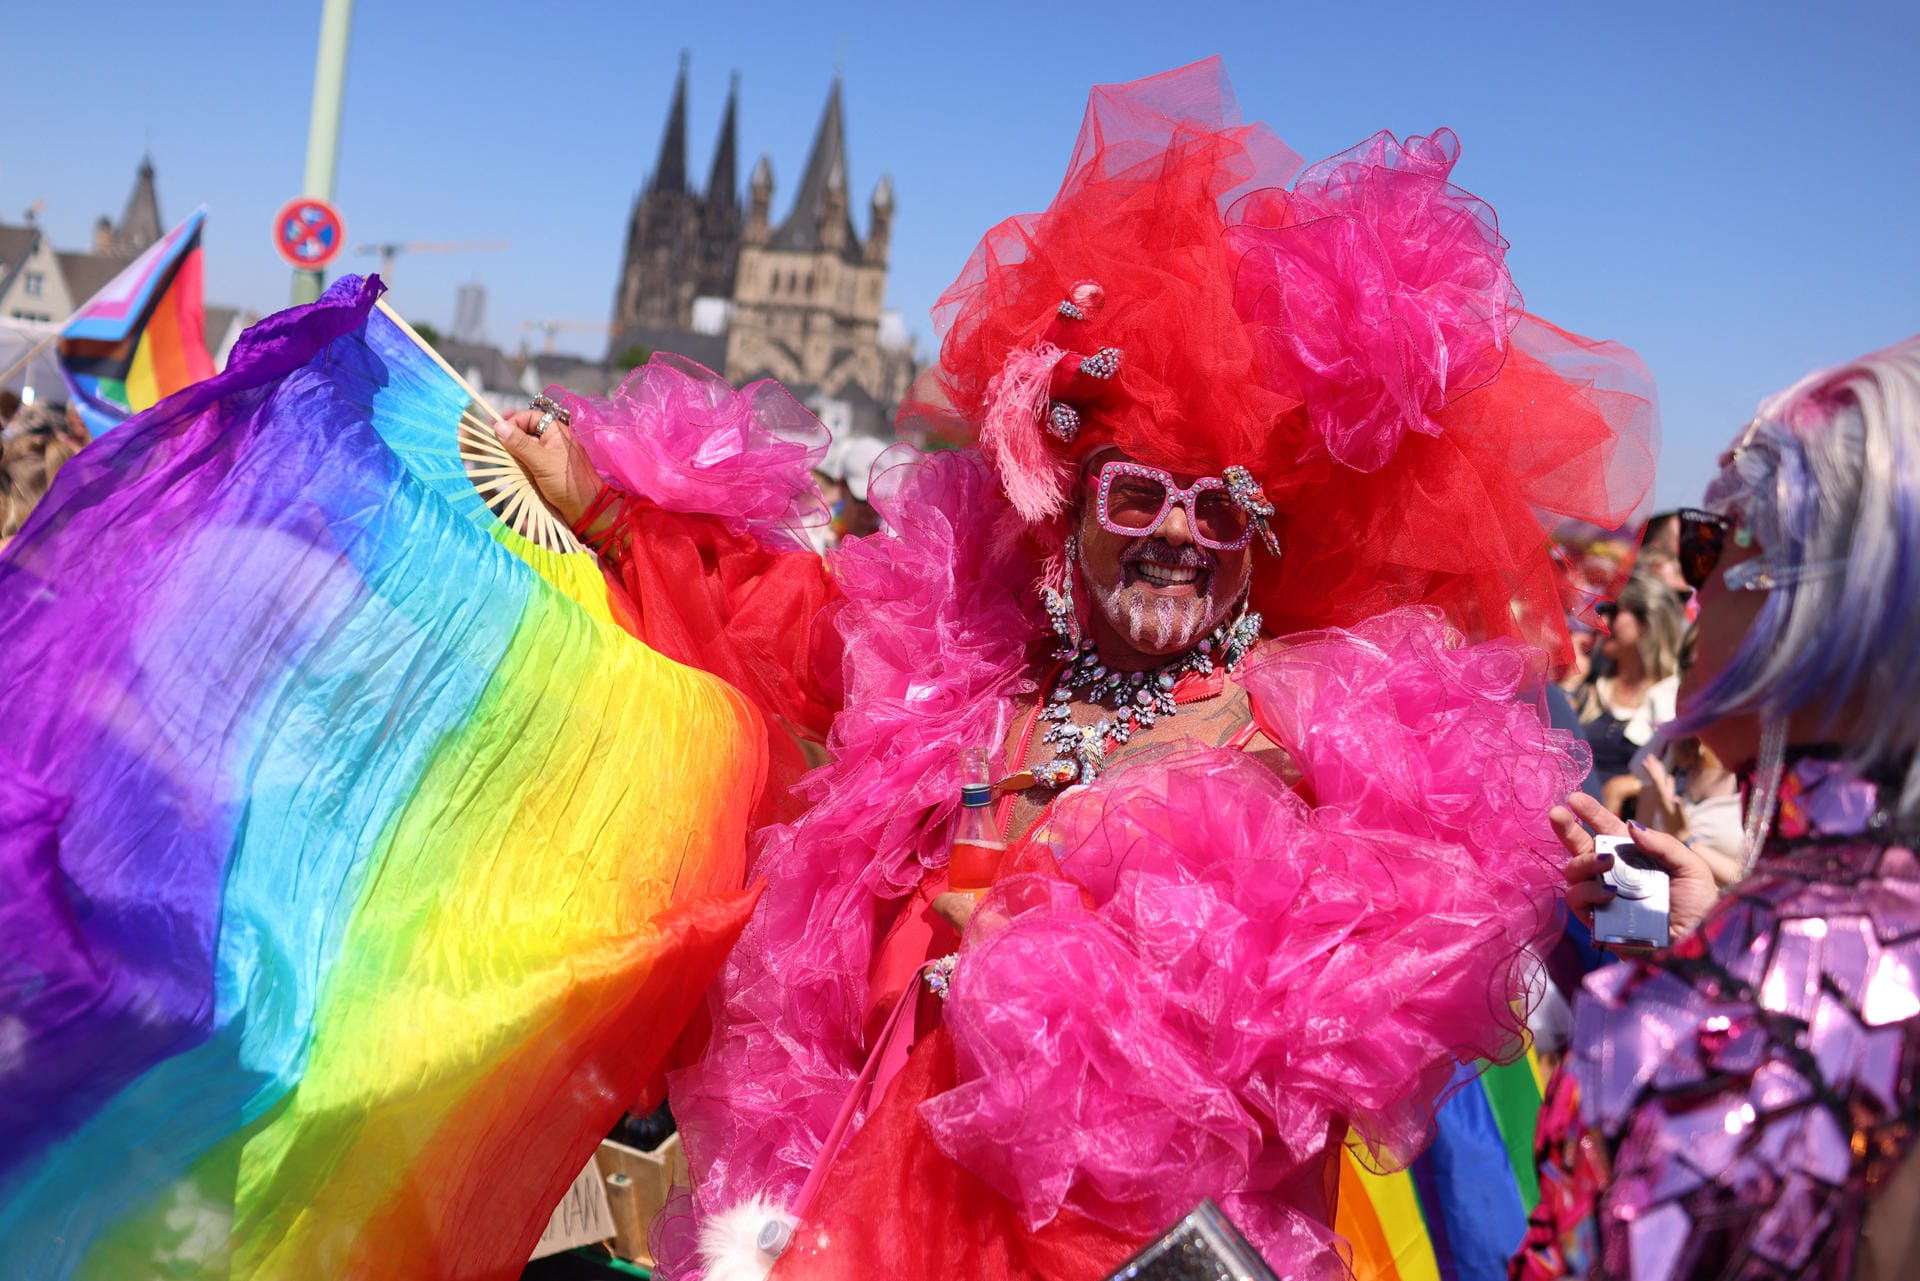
(1514, 1095)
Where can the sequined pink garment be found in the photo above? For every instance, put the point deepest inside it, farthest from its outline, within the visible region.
(1752, 1085)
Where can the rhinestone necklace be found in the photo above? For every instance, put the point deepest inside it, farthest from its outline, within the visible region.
(1138, 699)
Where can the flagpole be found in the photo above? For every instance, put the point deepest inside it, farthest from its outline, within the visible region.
(323, 128)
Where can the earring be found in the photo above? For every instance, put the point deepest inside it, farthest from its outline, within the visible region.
(1764, 798)
(1059, 601)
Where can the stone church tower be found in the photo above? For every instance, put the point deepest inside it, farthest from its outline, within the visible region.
(808, 293)
(681, 244)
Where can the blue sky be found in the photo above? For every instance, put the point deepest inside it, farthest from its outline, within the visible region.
(1731, 189)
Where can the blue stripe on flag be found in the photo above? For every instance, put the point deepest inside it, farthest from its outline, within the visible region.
(1467, 1190)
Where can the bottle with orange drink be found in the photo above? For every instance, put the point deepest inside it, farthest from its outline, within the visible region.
(974, 857)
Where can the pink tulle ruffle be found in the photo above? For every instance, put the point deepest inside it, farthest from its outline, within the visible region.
(937, 640)
(1245, 971)
(678, 435)
(1380, 288)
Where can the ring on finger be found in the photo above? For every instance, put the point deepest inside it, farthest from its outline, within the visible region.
(550, 411)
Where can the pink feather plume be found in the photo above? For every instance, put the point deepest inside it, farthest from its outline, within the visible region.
(1037, 479)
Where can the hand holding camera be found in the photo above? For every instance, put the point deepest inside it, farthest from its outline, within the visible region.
(1636, 916)
(1690, 888)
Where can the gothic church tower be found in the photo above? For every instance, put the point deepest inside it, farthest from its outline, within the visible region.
(680, 243)
(808, 293)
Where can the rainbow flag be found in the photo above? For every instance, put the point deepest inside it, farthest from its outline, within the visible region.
(1459, 1212)
(143, 337)
(356, 868)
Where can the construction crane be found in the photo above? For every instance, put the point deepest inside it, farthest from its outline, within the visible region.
(388, 252)
(552, 327)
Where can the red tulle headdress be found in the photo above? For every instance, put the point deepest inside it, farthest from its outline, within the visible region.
(1348, 332)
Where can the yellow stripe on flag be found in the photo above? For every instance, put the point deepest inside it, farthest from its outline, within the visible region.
(143, 385)
(1380, 1216)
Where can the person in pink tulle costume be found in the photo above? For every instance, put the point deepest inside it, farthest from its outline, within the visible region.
(1249, 451)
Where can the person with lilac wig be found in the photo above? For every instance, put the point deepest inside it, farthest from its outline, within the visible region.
(1747, 1102)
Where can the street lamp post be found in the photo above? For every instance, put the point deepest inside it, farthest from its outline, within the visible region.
(323, 130)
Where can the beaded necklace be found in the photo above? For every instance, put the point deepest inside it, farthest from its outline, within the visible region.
(1138, 699)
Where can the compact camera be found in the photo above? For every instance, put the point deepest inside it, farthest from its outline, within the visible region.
(1637, 914)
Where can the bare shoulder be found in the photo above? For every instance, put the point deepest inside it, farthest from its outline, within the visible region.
(1235, 716)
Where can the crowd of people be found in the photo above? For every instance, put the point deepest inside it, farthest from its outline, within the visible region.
(1624, 690)
(37, 440)
(1164, 792)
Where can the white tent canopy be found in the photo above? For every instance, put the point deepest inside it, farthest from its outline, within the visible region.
(40, 375)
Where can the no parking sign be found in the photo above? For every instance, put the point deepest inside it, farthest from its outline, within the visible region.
(308, 233)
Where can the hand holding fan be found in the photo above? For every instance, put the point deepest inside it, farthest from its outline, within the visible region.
(357, 871)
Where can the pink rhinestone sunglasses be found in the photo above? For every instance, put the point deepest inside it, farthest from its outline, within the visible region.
(1135, 500)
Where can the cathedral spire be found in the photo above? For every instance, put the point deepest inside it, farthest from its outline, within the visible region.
(823, 189)
(670, 171)
(140, 222)
(723, 192)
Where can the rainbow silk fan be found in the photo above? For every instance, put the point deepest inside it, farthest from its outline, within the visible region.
(469, 467)
(357, 868)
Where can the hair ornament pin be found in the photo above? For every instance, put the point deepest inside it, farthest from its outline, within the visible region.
(1082, 300)
(1246, 491)
(1063, 421)
(1086, 297)
(1103, 364)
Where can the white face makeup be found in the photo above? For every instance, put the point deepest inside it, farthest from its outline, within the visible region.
(1164, 599)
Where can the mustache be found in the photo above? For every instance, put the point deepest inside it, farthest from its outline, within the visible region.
(1154, 551)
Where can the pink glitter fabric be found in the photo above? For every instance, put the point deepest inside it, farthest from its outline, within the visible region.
(1730, 1107)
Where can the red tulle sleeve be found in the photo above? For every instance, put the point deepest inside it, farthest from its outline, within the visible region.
(703, 524)
(719, 600)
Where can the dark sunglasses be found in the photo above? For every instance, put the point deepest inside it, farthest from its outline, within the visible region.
(1703, 537)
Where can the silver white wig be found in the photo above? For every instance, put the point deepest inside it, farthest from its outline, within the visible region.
(1827, 478)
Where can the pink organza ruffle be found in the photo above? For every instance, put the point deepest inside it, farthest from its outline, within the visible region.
(1243, 970)
(1380, 288)
(937, 639)
(678, 435)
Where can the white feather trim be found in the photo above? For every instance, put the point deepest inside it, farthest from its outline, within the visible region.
(733, 1243)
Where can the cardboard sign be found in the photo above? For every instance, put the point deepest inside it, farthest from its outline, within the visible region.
(581, 1218)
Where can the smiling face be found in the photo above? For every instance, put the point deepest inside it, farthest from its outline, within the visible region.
(1158, 596)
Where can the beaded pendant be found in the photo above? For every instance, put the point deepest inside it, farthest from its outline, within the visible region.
(1138, 700)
